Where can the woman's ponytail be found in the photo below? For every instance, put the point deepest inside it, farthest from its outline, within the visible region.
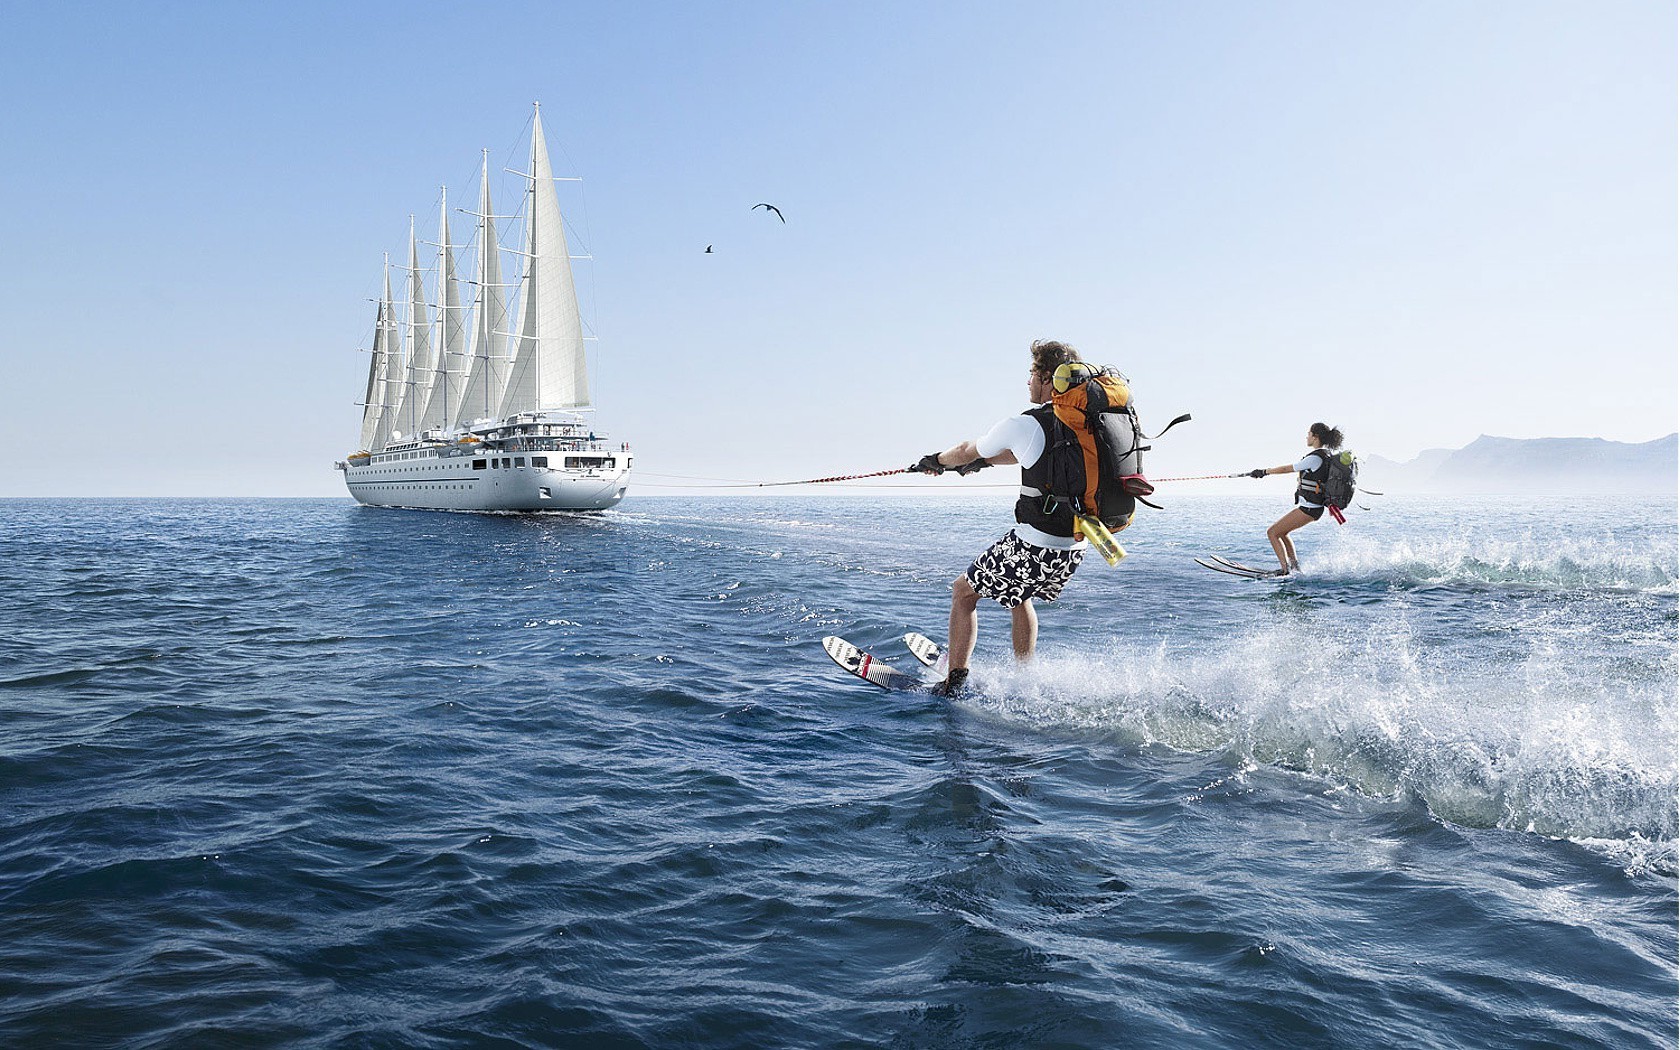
(1327, 435)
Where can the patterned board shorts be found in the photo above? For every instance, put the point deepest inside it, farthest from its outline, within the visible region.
(1013, 570)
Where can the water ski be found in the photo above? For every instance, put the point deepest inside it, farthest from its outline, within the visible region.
(1245, 568)
(924, 649)
(1234, 568)
(869, 668)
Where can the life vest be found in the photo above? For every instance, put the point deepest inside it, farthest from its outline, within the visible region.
(1036, 507)
(1093, 454)
(1333, 481)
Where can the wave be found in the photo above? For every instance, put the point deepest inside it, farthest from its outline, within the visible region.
(1545, 747)
(63, 676)
(1648, 563)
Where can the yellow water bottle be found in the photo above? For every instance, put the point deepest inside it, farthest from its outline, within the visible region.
(1092, 528)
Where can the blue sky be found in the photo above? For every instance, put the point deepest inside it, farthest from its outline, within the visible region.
(1422, 221)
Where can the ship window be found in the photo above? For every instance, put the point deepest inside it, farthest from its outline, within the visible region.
(539, 461)
(519, 461)
(507, 462)
(478, 464)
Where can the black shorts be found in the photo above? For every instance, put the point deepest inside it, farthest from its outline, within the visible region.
(1011, 571)
(1311, 510)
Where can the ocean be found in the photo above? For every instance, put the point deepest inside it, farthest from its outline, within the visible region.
(303, 773)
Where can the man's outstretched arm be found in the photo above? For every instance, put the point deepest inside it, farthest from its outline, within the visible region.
(967, 452)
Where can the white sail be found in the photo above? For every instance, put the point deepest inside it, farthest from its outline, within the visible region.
(549, 368)
(392, 420)
(487, 376)
(418, 372)
(373, 407)
(445, 380)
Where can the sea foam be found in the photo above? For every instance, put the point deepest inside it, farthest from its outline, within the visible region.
(1541, 746)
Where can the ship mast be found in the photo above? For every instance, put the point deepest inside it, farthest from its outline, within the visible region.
(440, 397)
(419, 341)
(549, 370)
(487, 375)
(393, 365)
(371, 401)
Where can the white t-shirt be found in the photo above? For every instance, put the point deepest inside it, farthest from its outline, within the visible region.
(1022, 435)
(1019, 434)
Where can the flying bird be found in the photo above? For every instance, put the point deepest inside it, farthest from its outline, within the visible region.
(708, 250)
(773, 208)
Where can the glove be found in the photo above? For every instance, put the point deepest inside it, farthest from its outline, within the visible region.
(968, 468)
(929, 464)
(1257, 472)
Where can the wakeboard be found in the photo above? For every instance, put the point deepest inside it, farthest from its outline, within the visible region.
(867, 667)
(1235, 568)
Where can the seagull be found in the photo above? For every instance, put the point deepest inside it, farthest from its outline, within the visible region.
(708, 250)
(773, 208)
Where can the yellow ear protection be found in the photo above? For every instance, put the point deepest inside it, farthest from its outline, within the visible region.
(1069, 375)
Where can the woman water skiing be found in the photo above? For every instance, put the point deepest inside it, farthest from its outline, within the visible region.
(1314, 467)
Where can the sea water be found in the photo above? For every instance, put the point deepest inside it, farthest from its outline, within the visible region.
(308, 773)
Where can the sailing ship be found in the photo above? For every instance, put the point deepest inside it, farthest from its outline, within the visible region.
(493, 420)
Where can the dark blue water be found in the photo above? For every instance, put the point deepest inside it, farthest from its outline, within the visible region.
(305, 773)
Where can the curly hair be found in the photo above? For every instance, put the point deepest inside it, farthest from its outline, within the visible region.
(1047, 354)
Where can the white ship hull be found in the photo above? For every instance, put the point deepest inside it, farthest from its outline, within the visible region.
(449, 478)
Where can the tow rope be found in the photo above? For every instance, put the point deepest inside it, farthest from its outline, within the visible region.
(842, 477)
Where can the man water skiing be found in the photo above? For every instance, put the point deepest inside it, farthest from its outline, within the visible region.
(1038, 556)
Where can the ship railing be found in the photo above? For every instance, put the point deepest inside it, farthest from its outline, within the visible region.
(547, 444)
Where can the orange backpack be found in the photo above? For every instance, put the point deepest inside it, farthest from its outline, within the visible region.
(1096, 454)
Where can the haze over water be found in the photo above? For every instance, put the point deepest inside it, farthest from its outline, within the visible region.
(306, 773)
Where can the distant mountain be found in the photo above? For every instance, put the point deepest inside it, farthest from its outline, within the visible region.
(1533, 466)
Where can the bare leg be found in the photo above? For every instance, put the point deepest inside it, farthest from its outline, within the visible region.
(964, 623)
(1282, 546)
(1023, 627)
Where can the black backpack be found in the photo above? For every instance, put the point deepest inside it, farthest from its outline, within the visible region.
(1341, 477)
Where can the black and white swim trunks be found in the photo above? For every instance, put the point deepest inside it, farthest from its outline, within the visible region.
(1013, 570)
